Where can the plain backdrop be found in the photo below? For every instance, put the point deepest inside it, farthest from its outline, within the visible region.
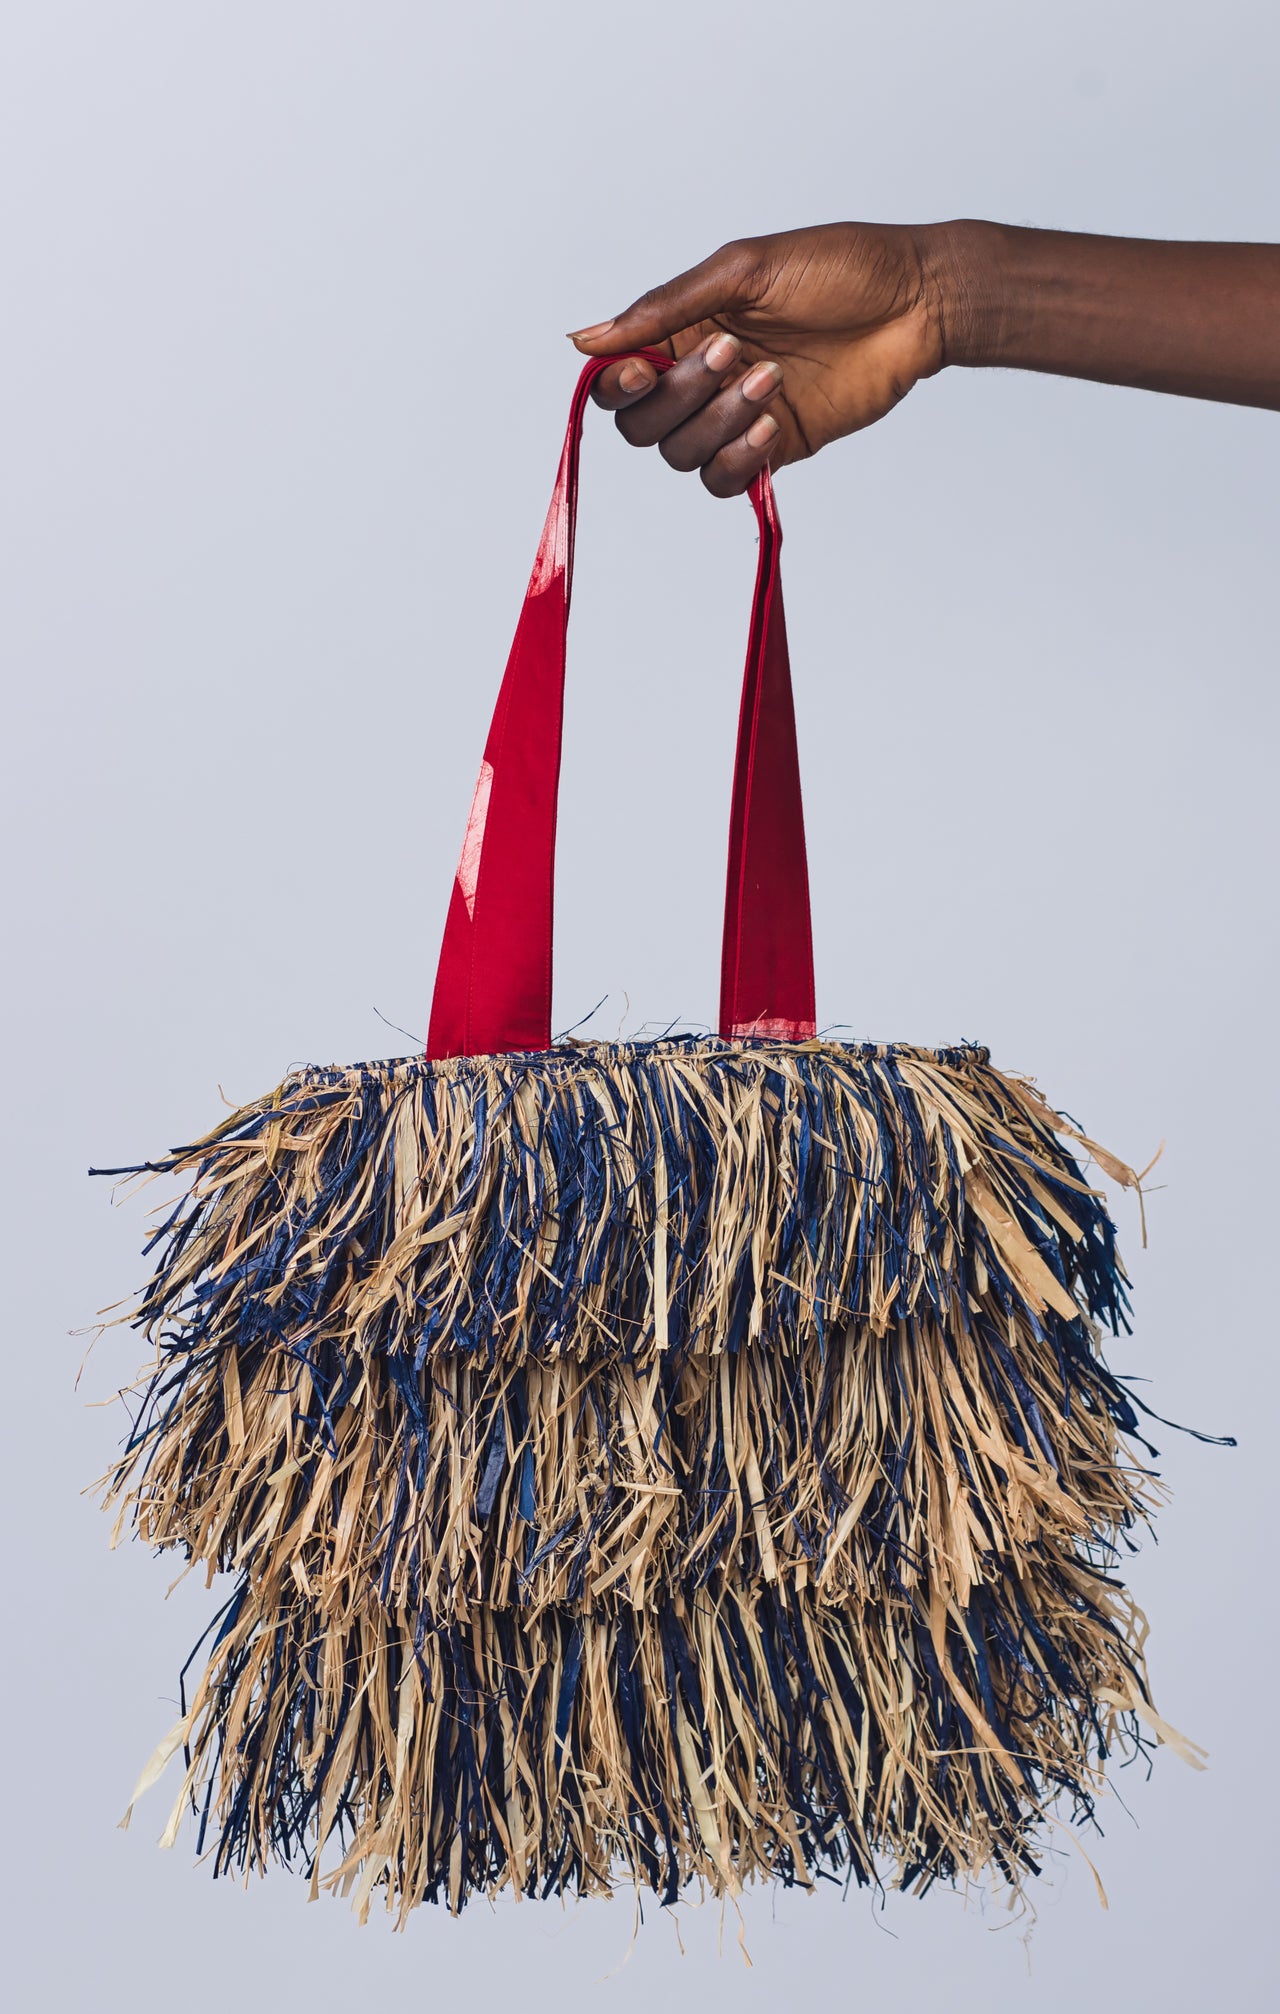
(283, 380)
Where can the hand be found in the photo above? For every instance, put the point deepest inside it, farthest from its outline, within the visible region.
(785, 343)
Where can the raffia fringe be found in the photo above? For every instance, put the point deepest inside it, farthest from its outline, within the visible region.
(686, 1458)
(717, 1740)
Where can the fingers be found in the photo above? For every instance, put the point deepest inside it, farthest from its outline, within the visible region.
(713, 425)
(728, 436)
(622, 384)
(712, 288)
(693, 416)
(736, 466)
(679, 393)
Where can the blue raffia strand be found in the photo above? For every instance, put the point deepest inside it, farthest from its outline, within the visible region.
(685, 1460)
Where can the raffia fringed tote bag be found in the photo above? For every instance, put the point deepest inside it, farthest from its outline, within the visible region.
(682, 1461)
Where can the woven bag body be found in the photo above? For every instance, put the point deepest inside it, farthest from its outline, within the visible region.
(688, 1460)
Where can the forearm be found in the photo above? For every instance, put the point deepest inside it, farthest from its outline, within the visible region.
(1199, 319)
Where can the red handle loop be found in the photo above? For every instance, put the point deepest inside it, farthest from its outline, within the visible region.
(493, 983)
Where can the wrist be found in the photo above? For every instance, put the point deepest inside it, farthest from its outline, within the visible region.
(961, 265)
(1196, 319)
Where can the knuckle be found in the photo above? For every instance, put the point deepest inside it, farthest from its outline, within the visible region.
(721, 482)
(678, 454)
(653, 300)
(631, 426)
(739, 257)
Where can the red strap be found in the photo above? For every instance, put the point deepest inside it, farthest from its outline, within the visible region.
(493, 984)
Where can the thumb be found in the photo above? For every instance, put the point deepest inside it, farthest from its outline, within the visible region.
(711, 288)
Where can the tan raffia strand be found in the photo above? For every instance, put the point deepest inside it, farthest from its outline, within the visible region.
(657, 1458)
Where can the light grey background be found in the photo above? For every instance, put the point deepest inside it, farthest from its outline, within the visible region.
(283, 381)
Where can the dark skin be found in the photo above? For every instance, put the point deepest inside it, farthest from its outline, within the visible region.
(788, 342)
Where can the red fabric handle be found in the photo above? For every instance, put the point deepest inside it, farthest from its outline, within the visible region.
(493, 983)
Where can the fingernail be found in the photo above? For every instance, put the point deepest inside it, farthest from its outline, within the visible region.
(761, 431)
(633, 377)
(593, 334)
(758, 383)
(720, 352)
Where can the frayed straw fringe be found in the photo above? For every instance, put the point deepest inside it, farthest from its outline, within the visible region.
(685, 1457)
(717, 1740)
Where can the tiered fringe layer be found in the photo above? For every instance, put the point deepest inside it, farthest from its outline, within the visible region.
(688, 1459)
